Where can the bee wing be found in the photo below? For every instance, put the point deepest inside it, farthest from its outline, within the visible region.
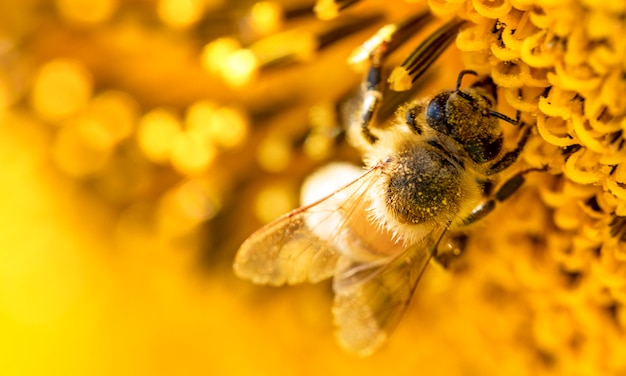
(301, 246)
(370, 298)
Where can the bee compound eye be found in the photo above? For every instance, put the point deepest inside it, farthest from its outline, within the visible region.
(436, 114)
(411, 119)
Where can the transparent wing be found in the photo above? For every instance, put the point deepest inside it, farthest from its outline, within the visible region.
(305, 244)
(370, 298)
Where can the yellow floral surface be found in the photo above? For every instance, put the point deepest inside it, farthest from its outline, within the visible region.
(144, 140)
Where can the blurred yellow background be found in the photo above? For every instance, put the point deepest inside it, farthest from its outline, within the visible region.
(108, 265)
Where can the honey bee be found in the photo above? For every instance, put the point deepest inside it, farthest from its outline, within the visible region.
(431, 170)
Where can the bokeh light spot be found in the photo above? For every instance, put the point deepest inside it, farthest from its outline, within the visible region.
(61, 88)
(274, 200)
(86, 11)
(215, 53)
(191, 156)
(274, 154)
(180, 13)
(156, 134)
(240, 68)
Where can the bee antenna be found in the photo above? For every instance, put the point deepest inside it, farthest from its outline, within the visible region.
(465, 96)
(461, 74)
(506, 118)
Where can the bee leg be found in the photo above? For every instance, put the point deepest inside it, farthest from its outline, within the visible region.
(450, 249)
(372, 93)
(389, 39)
(510, 157)
(505, 191)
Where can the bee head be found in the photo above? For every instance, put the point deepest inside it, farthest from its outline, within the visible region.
(467, 117)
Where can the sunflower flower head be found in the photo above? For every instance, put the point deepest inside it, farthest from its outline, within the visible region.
(562, 65)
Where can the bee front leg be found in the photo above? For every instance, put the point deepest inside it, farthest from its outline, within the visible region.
(372, 93)
(511, 156)
(505, 191)
(386, 40)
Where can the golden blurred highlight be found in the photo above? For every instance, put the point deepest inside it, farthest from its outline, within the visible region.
(86, 11)
(156, 134)
(214, 54)
(229, 128)
(274, 200)
(326, 9)
(221, 126)
(274, 153)
(324, 129)
(180, 13)
(240, 68)
(61, 88)
(266, 17)
(191, 155)
(117, 113)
